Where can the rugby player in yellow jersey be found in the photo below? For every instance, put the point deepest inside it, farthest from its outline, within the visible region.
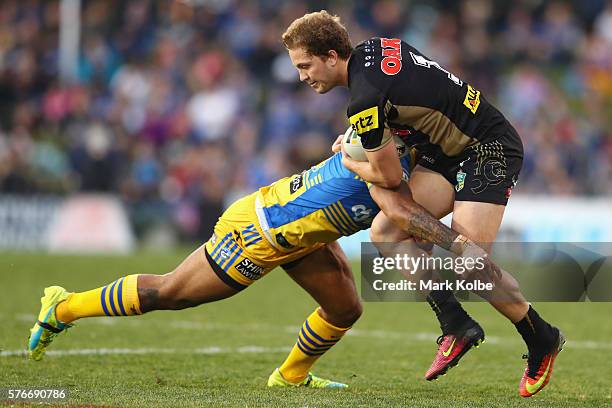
(292, 223)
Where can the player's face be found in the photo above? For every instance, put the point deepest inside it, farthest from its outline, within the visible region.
(318, 72)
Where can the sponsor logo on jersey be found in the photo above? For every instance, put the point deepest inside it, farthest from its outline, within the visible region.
(402, 133)
(296, 183)
(490, 167)
(472, 99)
(461, 177)
(460, 181)
(391, 63)
(213, 239)
(361, 213)
(428, 159)
(249, 269)
(225, 253)
(365, 120)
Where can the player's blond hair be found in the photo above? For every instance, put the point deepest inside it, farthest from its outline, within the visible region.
(318, 33)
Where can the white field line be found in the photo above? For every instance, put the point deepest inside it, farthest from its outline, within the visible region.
(376, 334)
(148, 350)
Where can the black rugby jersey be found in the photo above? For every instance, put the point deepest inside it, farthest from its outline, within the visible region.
(395, 89)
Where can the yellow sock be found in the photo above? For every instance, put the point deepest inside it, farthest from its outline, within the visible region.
(119, 298)
(316, 337)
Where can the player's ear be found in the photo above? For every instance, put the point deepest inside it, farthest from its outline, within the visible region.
(332, 57)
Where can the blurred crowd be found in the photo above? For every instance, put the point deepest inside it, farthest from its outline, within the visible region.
(179, 107)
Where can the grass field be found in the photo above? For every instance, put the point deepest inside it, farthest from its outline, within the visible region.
(221, 354)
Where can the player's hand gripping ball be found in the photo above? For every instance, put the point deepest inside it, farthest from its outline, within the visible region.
(353, 148)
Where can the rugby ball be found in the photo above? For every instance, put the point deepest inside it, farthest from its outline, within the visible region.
(354, 149)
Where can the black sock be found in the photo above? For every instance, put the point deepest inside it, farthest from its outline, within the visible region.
(537, 333)
(448, 310)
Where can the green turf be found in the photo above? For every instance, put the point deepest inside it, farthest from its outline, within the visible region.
(383, 361)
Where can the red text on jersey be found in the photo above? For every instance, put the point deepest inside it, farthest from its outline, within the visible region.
(391, 63)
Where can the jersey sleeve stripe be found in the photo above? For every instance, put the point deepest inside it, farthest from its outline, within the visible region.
(346, 216)
(333, 218)
(332, 222)
(305, 204)
(343, 223)
(341, 226)
(336, 206)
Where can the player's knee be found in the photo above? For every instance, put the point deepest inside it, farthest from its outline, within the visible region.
(344, 316)
(354, 313)
(170, 295)
(351, 309)
(375, 234)
(380, 232)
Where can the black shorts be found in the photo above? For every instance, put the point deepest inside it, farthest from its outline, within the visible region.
(486, 172)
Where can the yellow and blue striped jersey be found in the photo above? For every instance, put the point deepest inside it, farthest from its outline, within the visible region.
(317, 206)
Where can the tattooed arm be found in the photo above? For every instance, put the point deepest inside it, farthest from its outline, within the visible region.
(407, 215)
(399, 206)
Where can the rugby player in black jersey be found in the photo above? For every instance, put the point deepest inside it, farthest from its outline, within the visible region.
(469, 161)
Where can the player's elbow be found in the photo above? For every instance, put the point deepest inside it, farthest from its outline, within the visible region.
(392, 182)
(401, 213)
(386, 167)
(393, 177)
(377, 234)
